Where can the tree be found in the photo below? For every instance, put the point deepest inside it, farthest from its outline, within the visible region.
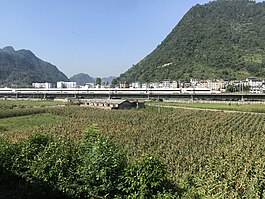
(98, 80)
(114, 82)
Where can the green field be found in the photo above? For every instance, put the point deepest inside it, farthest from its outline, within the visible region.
(207, 154)
(13, 124)
(257, 108)
(28, 103)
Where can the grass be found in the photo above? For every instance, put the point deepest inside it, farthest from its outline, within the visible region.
(257, 108)
(28, 103)
(26, 122)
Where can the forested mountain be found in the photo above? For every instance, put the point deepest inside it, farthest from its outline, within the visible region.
(221, 39)
(82, 79)
(22, 67)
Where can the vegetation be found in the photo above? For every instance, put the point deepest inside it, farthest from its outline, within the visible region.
(255, 108)
(221, 39)
(22, 67)
(20, 112)
(98, 80)
(202, 154)
(11, 104)
(94, 167)
(26, 122)
(236, 88)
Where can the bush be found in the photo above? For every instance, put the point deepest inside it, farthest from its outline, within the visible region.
(101, 165)
(24, 152)
(56, 166)
(5, 153)
(8, 154)
(16, 167)
(94, 167)
(146, 178)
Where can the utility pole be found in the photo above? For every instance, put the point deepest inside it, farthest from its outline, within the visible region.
(242, 88)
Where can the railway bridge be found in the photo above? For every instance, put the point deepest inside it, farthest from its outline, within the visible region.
(142, 95)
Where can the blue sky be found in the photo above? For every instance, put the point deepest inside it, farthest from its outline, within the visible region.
(97, 37)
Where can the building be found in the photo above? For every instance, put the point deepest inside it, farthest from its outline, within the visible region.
(114, 104)
(45, 85)
(137, 104)
(89, 85)
(165, 84)
(256, 90)
(174, 84)
(136, 85)
(256, 85)
(106, 85)
(66, 85)
(216, 84)
(151, 85)
(253, 82)
(124, 85)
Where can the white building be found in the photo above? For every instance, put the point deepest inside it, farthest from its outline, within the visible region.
(197, 83)
(256, 85)
(42, 85)
(253, 82)
(165, 84)
(216, 85)
(256, 90)
(136, 85)
(89, 85)
(174, 84)
(66, 84)
(194, 82)
(154, 85)
(145, 85)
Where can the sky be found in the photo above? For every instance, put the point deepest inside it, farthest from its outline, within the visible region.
(99, 37)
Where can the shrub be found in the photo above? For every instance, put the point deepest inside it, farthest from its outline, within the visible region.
(5, 153)
(101, 164)
(146, 178)
(15, 163)
(9, 153)
(24, 152)
(55, 166)
(94, 167)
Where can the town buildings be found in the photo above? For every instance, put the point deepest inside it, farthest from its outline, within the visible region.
(252, 85)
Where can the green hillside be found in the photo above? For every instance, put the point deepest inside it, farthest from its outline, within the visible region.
(222, 39)
(22, 67)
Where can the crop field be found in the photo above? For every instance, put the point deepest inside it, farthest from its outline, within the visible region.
(207, 154)
(256, 108)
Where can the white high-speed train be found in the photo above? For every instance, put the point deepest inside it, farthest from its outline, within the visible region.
(155, 91)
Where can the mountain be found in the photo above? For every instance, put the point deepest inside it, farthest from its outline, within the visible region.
(221, 39)
(108, 79)
(82, 79)
(22, 67)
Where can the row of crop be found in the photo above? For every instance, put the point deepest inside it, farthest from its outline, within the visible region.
(93, 167)
(5, 113)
